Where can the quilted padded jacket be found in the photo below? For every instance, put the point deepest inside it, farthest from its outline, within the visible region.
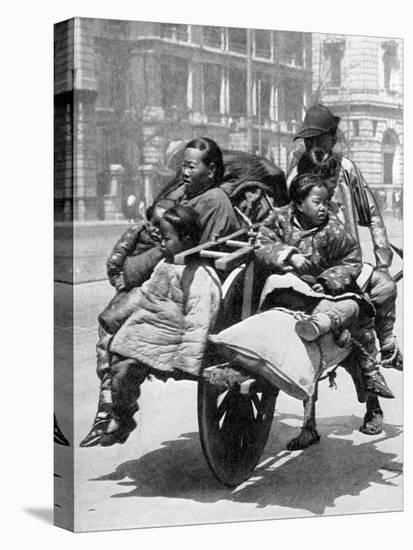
(175, 311)
(334, 255)
(357, 206)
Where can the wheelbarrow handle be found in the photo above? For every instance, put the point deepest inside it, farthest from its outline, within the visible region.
(398, 276)
(398, 250)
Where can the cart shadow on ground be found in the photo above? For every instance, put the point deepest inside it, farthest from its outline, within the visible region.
(344, 463)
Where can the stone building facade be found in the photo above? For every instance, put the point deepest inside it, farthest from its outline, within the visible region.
(360, 79)
(126, 93)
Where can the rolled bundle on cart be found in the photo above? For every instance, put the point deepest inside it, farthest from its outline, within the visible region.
(266, 346)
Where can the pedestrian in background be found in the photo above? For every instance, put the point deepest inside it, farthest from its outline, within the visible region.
(131, 208)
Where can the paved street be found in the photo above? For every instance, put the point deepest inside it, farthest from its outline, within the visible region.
(159, 476)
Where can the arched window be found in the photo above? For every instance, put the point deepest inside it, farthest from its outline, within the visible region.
(391, 64)
(389, 146)
(174, 82)
(212, 87)
(237, 92)
(333, 53)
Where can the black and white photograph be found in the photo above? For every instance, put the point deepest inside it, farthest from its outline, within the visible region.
(214, 302)
(228, 253)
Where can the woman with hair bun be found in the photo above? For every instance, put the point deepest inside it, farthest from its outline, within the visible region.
(198, 185)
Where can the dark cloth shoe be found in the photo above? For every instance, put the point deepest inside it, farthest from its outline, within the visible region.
(308, 436)
(376, 385)
(372, 422)
(392, 358)
(100, 424)
(58, 435)
(120, 435)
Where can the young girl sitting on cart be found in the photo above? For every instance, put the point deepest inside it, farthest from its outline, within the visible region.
(303, 239)
(167, 332)
(141, 240)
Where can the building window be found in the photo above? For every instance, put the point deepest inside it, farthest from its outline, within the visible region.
(374, 127)
(212, 37)
(390, 64)
(237, 40)
(263, 101)
(117, 84)
(293, 49)
(237, 92)
(174, 84)
(388, 158)
(104, 79)
(356, 128)
(212, 88)
(294, 102)
(263, 44)
(389, 145)
(174, 31)
(333, 52)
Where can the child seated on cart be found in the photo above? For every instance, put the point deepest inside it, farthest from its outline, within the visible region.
(141, 239)
(167, 332)
(374, 280)
(303, 239)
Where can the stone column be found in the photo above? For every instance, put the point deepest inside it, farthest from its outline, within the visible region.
(274, 103)
(148, 176)
(152, 75)
(224, 94)
(196, 88)
(146, 104)
(84, 138)
(63, 120)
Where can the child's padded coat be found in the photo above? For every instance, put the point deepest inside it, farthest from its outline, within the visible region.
(175, 311)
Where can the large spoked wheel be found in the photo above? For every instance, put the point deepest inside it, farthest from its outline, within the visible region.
(234, 429)
(234, 426)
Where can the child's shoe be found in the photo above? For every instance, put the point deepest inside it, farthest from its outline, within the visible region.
(58, 435)
(372, 422)
(118, 432)
(100, 424)
(376, 384)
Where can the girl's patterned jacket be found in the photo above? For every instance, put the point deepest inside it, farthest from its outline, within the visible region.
(334, 255)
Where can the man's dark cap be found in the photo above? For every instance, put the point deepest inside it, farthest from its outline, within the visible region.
(318, 120)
